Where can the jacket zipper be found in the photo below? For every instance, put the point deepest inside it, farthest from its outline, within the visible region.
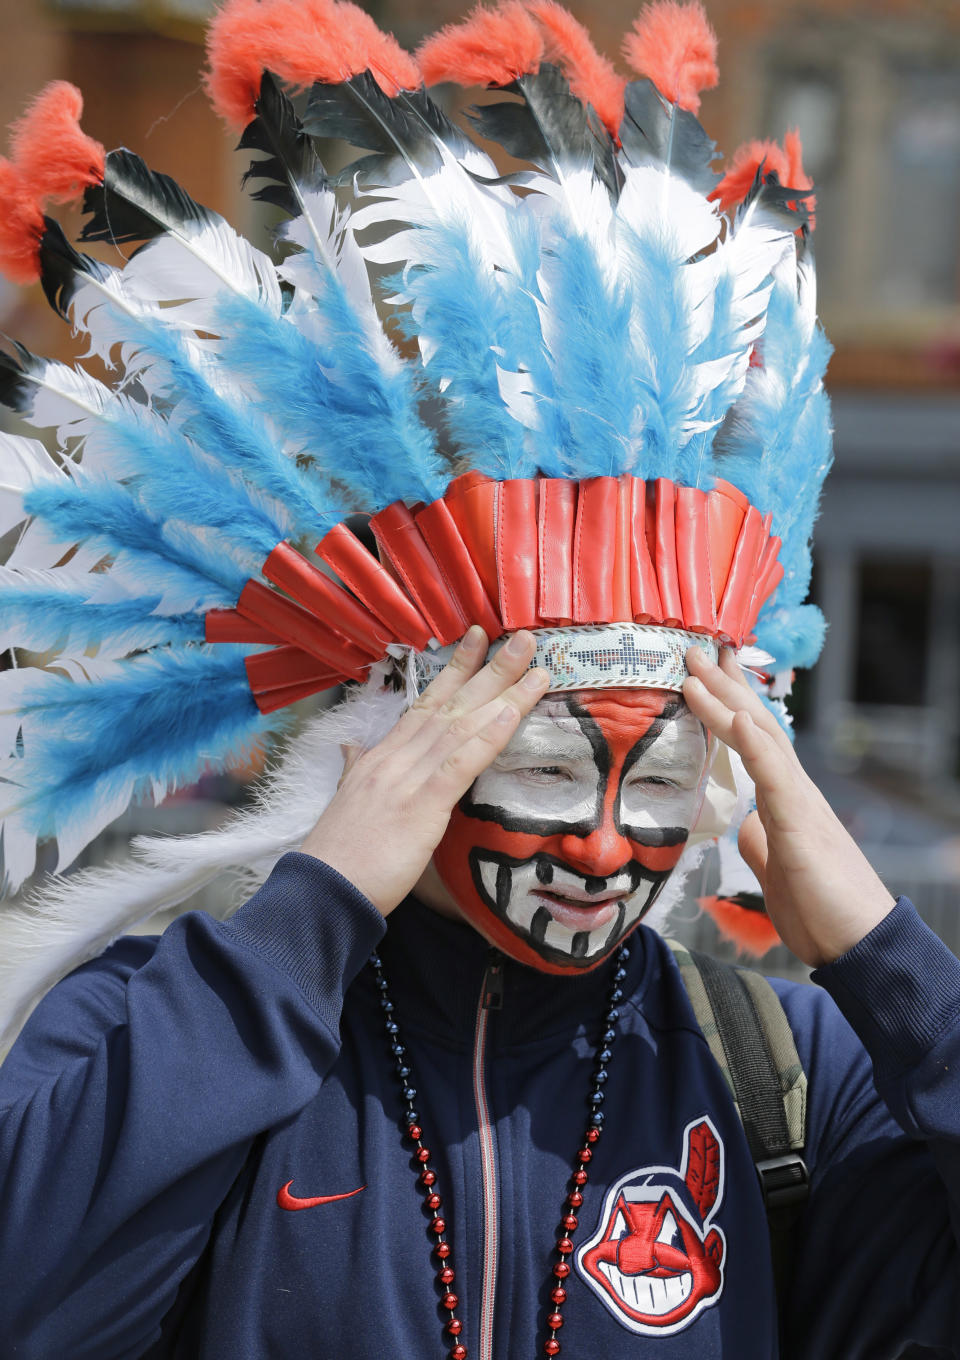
(491, 998)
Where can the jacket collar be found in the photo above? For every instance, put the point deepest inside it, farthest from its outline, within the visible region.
(437, 968)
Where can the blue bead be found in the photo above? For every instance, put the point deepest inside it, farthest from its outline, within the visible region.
(403, 1073)
(600, 1075)
(386, 1005)
(612, 1016)
(616, 994)
(596, 1119)
(596, 1097)
(409, 1093)
(608, 1036)
(393, 1027)
(604, 1055)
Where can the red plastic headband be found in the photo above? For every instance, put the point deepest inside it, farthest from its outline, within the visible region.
(527, 553)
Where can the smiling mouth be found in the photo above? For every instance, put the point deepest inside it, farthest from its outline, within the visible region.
(651, 1295)
(565, 922)
(577, 913)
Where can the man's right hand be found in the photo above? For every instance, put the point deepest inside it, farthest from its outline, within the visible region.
(394, 801)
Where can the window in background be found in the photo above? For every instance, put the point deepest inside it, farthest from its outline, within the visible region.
(893, 631)
(881, 138)
(919, 254)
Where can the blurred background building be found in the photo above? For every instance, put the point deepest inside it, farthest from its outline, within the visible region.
(874, 89)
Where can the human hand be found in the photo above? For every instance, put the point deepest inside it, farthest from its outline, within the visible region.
(395, 800)
(820, 891)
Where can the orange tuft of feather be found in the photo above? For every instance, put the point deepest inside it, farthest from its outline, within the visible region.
(674, 45)
(238, 41)
(592, 77)
(21, 227)
(300, 41)
(393, 68)
(55, 157)
(786, 162)
(751, 931)
(489, 47)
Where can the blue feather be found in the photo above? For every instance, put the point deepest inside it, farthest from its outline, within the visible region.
(156, 723)
(232, 436)
(167, 560)
(778, 446)
(794, 636)
(594, 364)
(461, 310)
(724, 338)
(334, 403)
(663, 365)
(524, 348)
(44, 615)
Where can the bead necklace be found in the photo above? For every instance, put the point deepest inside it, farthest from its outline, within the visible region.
(427, 1177)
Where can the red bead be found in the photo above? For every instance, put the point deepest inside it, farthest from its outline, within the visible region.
(551, 1347)
(438, 1226)
(564, 1246)
(555, 1321)
(428, 1177)
(574, 1199)
(415, 1132)
(570, 1222)
(423, 1154)
(585, 1154)
(450, 1301)
(442, 1249)
(593, 1135)
(458, 1353)
(558, 1295)
(561, 1270)
(434, 1201)
(580, 1177)
(454, 1327)
(446, 1275)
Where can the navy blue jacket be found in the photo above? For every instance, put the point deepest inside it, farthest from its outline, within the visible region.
(162, 1096)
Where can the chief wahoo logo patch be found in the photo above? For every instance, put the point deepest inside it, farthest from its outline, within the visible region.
(656, 1260)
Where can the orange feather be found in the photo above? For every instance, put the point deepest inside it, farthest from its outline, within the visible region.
(592, 77)
(56, 158)
(786, 162)
(21, 227)
(674, 45)
(300, 42)
(751, 931)
(489, 47)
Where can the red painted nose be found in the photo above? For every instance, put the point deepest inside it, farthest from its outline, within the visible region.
(598, 855)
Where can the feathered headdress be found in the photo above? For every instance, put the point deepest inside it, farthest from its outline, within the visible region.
(584, 397)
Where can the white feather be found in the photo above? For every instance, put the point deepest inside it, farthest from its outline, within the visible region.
(445, 195)
(24, 464)
(193, 266)
(72, 919)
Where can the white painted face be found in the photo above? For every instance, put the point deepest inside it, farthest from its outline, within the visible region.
(564, 841)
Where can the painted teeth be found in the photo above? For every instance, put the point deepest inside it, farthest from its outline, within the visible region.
(652, 1295)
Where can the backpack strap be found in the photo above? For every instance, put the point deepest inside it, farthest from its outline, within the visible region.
(749, 1035)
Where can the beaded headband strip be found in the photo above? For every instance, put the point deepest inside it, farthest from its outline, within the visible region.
(602, 656)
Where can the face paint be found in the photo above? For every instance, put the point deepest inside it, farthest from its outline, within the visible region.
(563, 843)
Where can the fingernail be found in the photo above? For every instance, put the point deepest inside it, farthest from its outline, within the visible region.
(519, 644)
(472, 638)
(535, 679)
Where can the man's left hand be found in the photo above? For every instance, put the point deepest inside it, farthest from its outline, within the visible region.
(820, 891)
